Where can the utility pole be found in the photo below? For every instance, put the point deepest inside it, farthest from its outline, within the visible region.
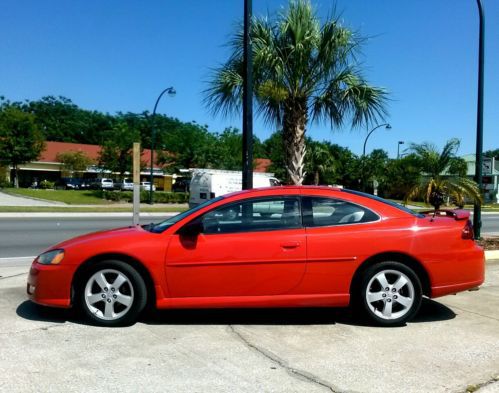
(477, 212)
(247, 100)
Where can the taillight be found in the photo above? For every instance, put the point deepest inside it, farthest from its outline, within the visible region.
(468, 232)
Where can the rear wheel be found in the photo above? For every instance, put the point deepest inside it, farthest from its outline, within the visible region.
(112, 293)
(390, 293)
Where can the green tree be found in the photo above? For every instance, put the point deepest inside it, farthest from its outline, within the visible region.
(402, 174)
(117, 148)
(20, 139)
(436, 182)
(273, 148)
(59, 119)
(73, 162)
(492, 153)
(302, 71)
(319, 161)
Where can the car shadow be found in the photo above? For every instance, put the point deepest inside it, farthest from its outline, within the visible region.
(34, 312)
(430, 311)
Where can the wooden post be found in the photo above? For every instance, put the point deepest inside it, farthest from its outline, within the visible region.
(136, 183)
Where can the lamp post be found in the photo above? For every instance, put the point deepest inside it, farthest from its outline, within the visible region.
(477, 213)
(398, 149)
(171, 92)
(247, 180)
(387, 126)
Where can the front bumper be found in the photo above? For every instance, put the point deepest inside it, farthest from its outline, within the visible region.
(50, 285)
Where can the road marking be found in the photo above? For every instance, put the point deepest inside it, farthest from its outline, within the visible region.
(14, 258)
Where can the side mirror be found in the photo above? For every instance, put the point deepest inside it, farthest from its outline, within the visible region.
(192, 229)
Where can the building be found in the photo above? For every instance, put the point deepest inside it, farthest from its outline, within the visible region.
(490, 171)
(47, 167)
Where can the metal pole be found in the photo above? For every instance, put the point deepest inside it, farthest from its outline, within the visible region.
(247, 100)
(477, 213)
(136, 183)
(170, 90)
(369, 134)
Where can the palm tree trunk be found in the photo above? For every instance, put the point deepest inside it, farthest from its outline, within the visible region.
(316, 178)
(294, 127)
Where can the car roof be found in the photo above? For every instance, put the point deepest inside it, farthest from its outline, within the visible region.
(284, 189)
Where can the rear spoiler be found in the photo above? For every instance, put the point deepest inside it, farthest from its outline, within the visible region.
(458, 214)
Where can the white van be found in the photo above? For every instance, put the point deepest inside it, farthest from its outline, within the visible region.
(210, 183)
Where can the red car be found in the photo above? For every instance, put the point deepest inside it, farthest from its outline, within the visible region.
(274, 247)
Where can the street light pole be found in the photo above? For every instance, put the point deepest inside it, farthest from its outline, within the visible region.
(171, 92)
(477, 213)
(398, 149)
(247, 179)
(388, 127)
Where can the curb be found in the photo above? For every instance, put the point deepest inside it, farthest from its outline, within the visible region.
(82, 215)
(491, 255)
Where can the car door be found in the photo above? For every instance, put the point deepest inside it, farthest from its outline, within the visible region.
(339, 233)
(241, 251)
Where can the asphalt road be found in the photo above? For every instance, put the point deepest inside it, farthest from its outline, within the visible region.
(21, 237)
(451, 346)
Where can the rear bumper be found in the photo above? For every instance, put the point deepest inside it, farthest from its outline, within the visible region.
(466, 270)
(50, 285)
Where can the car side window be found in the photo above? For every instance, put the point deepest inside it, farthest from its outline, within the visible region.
(320, 212)
(254, 215)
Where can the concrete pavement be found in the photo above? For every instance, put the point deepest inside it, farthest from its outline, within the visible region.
(452, 344)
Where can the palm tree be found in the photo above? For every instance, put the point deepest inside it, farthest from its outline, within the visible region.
(437, 181)
(302, 71)
(319, 160)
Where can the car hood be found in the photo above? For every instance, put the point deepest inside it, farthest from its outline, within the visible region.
(108, 235)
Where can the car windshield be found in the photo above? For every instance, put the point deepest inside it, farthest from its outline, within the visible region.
(391, 203)
(162, 226)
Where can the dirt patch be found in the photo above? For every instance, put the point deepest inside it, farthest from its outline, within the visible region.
(489, 243)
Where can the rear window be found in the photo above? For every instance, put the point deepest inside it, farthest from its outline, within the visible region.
(386, 202)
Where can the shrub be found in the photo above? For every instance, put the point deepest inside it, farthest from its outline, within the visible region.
(46, 185)
(159, 197)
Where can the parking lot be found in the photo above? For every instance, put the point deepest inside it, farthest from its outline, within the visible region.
(452, 345)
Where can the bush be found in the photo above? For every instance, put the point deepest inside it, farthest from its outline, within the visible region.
(158, 197)
(47, 185)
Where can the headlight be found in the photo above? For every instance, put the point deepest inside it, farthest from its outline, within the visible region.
(53, 257)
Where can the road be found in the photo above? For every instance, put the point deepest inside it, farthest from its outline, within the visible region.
(21, 237)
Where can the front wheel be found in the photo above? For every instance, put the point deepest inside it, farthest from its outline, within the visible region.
(390, 293)
(112, 293)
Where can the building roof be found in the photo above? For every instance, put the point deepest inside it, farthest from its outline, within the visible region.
(91, 151)
(262, 165)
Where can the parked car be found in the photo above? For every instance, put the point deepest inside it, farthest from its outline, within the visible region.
(102, 184)
(68, 183)
(125, 185)
(320, 247)
(146, 186)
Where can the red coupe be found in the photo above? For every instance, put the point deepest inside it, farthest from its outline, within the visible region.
(275, 247)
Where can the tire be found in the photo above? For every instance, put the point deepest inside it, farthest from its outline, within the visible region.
(390, 293)
(106, 304)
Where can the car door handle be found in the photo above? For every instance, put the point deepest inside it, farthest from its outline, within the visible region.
(288, 245)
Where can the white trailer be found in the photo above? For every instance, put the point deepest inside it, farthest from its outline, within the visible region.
(210, 183)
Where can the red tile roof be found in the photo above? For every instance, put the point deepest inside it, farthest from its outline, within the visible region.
(262, 164)
(91, 151)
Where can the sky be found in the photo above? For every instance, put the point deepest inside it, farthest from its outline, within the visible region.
(115, 56)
